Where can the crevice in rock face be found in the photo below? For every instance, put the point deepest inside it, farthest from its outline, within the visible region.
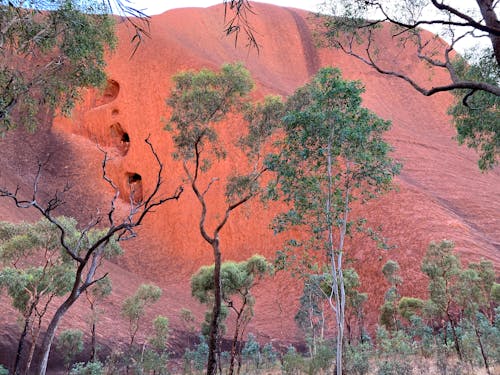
(115, 112)
(134, 182)
(119, 138)
(109, 94)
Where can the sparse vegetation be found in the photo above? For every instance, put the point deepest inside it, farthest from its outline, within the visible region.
(318, 153)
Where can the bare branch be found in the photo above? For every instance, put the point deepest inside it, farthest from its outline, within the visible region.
(212, 181)
(458, 84)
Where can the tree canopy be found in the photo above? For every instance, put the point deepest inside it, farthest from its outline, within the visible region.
(48, 56)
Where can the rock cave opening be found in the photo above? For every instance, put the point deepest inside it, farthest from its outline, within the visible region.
(119, 138)
(109, 94)
(134, 181)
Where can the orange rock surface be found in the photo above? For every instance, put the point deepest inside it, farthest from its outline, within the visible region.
(441, 193)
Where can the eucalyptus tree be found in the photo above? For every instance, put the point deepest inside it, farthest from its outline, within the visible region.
(34, 271)
(443, 268)
(389, 309)
(237, 279)
(201, 103)
(332, 154)
(95, 296)
(133, 307)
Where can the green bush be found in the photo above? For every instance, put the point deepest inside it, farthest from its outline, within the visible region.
(391, 367)
(293, 363)
(394, 349)
(323, 358)
(3, 370)
(357, 359)
(196, 359)
(251, 351)
(269, 355)
(70, 343)
(90, 368)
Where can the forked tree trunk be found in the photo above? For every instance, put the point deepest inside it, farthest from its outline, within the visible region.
(235, 347)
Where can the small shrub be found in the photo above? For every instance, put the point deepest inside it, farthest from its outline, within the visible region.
(323, 358)
(391, 367)
(90, 368)
(251, 351)
(3, 370)
(196, 359)
(293, 363)
(269, 355)
(393, 352)
(357, 359)
(70, 343)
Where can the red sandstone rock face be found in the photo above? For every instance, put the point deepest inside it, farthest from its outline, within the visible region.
(441, 193)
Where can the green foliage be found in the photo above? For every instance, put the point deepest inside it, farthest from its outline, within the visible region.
(161, 333)
(332, 154)
(292, 362)
(236, 278)
(325, 118)
(390, 271)
(62, 51)
(269, 355)
(263, 119)
(357, 358)
(251, 351)
(201, 99)
(70, 343)
(442, 267)
(197, 358)
(495, 293)
(310, 316)
(389, 309)
(153, 358)
(101, 289)
(133, 308)
(89, 368)
(393, 352)
(478, 119)
(3, 370)
(409, 306)
(322, 359)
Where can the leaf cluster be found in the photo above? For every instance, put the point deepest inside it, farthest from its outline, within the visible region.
(49, 56)
(477, 113)
(201, 99)
(236, 278)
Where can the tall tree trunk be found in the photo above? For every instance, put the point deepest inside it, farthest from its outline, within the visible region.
(21, 342)
(455, 337)
(94, 341)
(51, 331)
(36, 334)
(235, 342)
(483, 353)
(214, 324)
